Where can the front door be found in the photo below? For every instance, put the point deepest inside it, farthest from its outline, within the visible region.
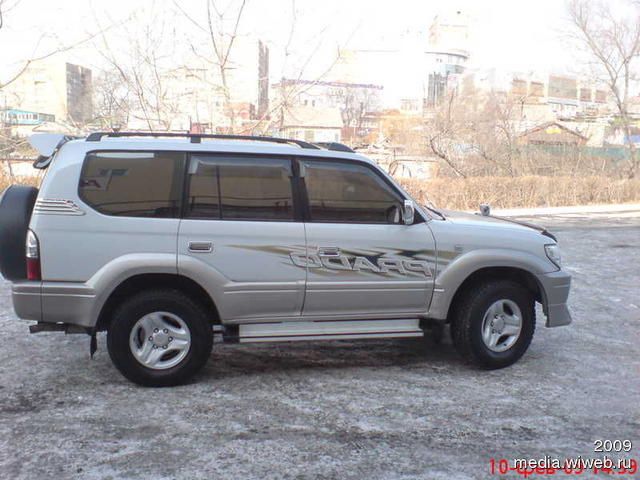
(238, 230)
(361, 260)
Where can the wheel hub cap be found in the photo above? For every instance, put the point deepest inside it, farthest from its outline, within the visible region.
(498, 324)
(501, 325)
(160, 340)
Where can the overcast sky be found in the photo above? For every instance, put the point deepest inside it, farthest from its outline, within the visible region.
(517, 35)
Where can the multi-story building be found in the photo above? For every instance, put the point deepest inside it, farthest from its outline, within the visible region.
(325, 94)
(446, 56)
(53, 87)
(191, 99)
(193, 96)
(544, 97)
(312, 124)
(348, 101)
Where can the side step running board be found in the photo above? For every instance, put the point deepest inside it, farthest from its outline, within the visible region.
(57, 327)
(327, 330)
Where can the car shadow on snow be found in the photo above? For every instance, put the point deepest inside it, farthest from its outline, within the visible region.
(229, 361)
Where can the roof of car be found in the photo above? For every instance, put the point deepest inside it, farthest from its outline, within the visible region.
(225, 146)
(219, 144)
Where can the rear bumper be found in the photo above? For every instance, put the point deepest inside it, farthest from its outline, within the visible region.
(27, 300)
(555, 290)
(54, 302)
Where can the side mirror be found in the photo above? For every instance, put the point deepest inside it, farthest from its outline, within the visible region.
(408, 212)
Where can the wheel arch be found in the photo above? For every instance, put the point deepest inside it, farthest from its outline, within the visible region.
(519, 275)
(146, 281)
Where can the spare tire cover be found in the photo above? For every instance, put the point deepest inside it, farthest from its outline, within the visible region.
(16, 205)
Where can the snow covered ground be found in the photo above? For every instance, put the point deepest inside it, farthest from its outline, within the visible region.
(403, 409)
(621, 210)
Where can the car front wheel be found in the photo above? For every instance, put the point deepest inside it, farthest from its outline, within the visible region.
(493, 324)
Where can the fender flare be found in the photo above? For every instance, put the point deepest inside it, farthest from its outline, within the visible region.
(449, 280)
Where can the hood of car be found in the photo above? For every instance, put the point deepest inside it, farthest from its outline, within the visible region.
(490, 221)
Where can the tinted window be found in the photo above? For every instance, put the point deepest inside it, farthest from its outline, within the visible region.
(204, 190)
(342, 192)
(236, 188)
(133, 184)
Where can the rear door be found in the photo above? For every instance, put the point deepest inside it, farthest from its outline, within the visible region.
(361, 259)
(239, 225)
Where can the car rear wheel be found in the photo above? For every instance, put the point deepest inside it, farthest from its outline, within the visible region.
(159, 338)
(493, 324)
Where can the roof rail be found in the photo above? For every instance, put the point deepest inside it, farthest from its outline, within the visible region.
(335, 146)
(197, 137)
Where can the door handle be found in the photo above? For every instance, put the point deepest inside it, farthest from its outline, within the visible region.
(200, 247)
(329, 251)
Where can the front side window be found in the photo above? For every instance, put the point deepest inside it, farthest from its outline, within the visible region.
(239, 188)
(349, 192)
(133, 184)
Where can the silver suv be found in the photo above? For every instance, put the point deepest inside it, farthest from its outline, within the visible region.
(160, 238)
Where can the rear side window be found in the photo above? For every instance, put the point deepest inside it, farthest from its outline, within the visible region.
(133, 184)
(239, 188)
(349, 192)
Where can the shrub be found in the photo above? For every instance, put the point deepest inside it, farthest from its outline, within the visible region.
(528, 191)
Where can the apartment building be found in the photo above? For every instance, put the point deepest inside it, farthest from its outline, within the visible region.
(56, 88)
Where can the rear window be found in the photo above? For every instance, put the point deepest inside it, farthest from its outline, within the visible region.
(133, 184)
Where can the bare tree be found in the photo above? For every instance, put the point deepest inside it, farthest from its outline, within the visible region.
(290, 90)
(494, 136)
(612, 37)
(222, 45)
(146, 71)
(5, 7)
(221, 27)
(354, 103)
(474, 133)
(446, 130)
(37, 55)
(112, 105)
(221, 31)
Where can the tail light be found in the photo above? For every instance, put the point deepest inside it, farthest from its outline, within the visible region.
(33, 257)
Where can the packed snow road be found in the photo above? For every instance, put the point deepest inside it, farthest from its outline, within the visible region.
(376, 409)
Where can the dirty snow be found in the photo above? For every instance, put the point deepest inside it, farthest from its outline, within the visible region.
(388, 409)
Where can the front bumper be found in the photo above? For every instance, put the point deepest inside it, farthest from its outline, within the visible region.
(555, 291)
(54, 302)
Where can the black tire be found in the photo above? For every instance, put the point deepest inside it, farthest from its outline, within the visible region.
(166, 300)
(468, 315)
(16, 205)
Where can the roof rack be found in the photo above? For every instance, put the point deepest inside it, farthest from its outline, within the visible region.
(197, 137)
(335, 146)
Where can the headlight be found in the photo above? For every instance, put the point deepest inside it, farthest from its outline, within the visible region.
(554, 254)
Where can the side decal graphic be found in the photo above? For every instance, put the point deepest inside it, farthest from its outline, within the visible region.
(383, 261)
(362, 264)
